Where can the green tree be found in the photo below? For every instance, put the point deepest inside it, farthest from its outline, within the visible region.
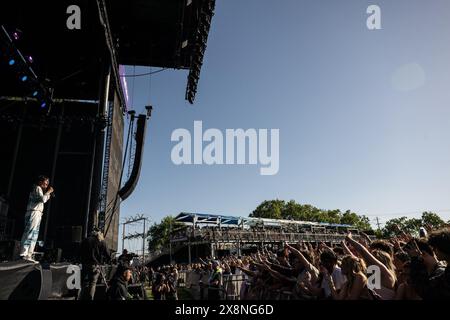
(291, 211)
(393, 225)
(412, 226)
(333, 216)
(269, 209)
(351, 218)
(279, 209)
(317, 215)
(409, 226)
(379, 233)
(158, 236)
(309, 212)
(432, 220)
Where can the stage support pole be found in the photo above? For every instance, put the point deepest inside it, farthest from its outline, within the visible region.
(16, 152)
(52, 176)
(97, 154)
(189, 253)
(212, 250)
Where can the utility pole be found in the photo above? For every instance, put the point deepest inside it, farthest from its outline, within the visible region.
(143, 244)
(170, 242)
(378, 224)
(123, 237)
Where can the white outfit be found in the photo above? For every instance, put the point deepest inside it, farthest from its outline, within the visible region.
(33, 218)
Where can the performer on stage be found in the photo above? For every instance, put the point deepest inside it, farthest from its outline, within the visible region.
(39, 195)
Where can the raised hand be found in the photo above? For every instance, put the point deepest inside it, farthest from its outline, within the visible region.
(366, 237)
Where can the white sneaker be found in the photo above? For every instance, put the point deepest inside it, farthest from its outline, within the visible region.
(28, 258)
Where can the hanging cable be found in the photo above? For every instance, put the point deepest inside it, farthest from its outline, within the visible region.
(150, 87)
(144, 74)
(132, 90)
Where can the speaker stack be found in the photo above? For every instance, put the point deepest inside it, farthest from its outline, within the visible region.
(9, 250)
(70, 234)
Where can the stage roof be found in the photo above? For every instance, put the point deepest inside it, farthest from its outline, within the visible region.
(151, 33)
(207, 218)
(203, 218)
(159, 33)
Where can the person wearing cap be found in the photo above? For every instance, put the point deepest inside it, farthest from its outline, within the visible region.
(125, 257)
(119, 285)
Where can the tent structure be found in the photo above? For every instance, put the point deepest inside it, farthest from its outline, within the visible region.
(222, 220)
(202, 218)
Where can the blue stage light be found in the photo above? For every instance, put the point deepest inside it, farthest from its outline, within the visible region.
(12, 62)
(35, 93)
(43, 105)
(24, 78)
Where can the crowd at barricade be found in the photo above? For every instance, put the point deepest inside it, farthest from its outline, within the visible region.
(399, 268)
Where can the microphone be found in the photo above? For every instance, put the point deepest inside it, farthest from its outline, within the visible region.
(52, 195)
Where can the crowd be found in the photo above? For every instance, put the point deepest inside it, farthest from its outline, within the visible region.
(268, 233)
(118, 275)
(358, 268)
(400, 268)
(164, 282)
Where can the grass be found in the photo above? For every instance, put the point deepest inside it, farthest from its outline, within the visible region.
(148, 291)
(183, 294)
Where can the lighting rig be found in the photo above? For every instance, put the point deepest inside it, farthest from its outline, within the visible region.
(37, 89)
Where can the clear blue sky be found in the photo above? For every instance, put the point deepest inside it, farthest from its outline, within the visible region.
(364, 116)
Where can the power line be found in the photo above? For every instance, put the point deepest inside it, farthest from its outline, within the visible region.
(406, 213)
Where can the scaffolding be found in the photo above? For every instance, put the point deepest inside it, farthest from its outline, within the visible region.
(136, 235)
(106, 164)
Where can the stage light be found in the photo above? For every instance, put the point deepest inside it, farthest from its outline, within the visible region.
(35, 93)
(12, 62)
(43, 104)
(23, 78)
(16, 35)
(30, 59)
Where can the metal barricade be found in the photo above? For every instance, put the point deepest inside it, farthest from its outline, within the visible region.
(232, 285)
(182, 279)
